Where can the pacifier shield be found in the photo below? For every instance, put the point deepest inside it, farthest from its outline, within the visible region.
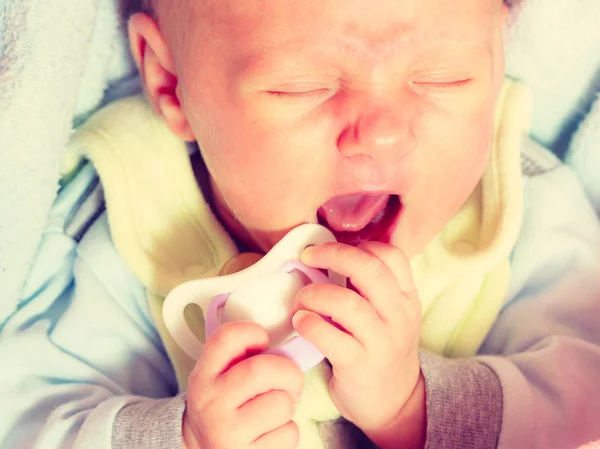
(266, 300)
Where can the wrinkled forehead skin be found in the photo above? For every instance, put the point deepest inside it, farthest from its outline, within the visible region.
(226, 20)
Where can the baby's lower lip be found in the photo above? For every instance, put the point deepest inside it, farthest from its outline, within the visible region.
(377, 230)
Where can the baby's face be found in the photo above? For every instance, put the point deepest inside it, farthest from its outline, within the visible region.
(373, 117)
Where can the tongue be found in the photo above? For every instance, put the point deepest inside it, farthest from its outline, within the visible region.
(353, 213)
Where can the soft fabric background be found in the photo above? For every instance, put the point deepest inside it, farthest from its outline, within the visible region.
(62, 59)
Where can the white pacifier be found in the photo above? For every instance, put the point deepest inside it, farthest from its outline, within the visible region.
(262, 293)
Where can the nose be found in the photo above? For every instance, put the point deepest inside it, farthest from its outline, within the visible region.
(376, 132)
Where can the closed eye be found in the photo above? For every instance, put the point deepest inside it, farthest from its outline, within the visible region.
(306, 94)
(442, 85)
(301, 93)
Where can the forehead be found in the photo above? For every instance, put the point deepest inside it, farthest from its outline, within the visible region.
(358, 26)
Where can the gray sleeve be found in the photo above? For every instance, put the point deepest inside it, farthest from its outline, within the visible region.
(464, 403)
(464, 408)
(150, 424)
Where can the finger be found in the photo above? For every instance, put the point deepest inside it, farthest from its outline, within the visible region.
(393, 258)
(340, 348)
(230, 343)
(259, 375)
(346, 308)
(287, 436)
(266, 413)
(368, 274)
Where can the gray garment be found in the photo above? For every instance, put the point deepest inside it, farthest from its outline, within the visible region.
(464, 410)
(464, 403)
(150, 424)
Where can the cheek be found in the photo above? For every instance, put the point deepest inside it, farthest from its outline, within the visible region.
(270, 177)
(456, 162)
(449, 162)
(457, 142)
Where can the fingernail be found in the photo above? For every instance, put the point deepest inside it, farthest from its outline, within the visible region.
(298, 317)
(305, 254)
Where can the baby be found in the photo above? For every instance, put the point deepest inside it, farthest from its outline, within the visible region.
(334, 112)
(391, 124)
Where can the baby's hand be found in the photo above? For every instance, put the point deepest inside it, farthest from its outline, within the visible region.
(237, 399)
(374, 352)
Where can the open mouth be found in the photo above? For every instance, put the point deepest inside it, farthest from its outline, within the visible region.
(360, 218)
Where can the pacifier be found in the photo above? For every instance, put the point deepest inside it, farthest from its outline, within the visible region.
(262, 293)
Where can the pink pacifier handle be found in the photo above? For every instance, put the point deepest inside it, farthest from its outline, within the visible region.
(212, 314)
(297, 349)
(300, 351)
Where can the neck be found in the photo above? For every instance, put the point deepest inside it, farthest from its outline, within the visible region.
(218, 205)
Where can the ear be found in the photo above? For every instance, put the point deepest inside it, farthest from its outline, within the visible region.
(156, 66)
